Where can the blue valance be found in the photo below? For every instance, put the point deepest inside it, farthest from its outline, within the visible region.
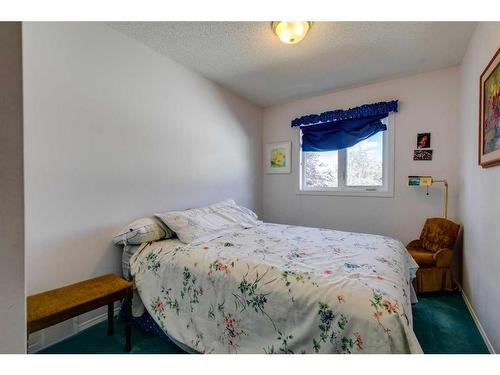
(343, 134)
(346, 128)
(365, 110)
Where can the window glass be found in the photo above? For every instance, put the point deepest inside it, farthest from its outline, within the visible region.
(321, 169)
(365, 162)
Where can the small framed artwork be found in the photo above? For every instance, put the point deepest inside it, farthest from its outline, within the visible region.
(419, 180)
(422, 155)
(413, 181)
(489, 114)
(277, 158)
(424, 140)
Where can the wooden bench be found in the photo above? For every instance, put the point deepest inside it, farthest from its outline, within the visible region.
(54, 306)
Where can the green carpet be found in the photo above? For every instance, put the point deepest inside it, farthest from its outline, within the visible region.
(441, 322)
(95, 340)
(443, 325)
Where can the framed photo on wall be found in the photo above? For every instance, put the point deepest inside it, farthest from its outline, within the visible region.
(489, 114)
(424, 140)
(422, 155)
(277, 157)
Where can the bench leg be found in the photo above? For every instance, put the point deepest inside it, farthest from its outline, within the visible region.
(110, 318)
(128, 321)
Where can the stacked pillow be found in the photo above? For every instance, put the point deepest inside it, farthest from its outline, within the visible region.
(234, 213)
(207, 223)
(191, 226)
(142, 230)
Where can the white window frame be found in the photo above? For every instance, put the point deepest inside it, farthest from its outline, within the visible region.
(386, 190)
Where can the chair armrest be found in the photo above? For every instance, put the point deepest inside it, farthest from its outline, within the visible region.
(414, 244)
(443, 257)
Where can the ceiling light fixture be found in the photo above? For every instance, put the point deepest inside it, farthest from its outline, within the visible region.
(291, 32)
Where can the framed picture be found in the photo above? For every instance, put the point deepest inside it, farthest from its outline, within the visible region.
(419, 180)
(277, 158)
(422, 155)
(424, 140)
(489, 114)
(413, 181)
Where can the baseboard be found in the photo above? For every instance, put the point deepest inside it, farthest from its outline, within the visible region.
(95, 320)
(40, 341)
(478, 323)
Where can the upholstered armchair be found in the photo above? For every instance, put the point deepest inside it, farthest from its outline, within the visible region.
(434, 252)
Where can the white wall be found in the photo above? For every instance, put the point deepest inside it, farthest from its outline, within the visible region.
(12, 301)
(479, 191)
(428, 102)
(114, 131)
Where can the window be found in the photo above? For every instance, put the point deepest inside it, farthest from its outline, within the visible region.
(363, 169)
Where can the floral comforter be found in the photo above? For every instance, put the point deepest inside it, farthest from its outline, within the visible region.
(281, 289)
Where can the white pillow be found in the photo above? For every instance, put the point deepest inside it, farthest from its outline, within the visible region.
(250, 213)
(142, 230)
(207, 223)
(198, 225)
(231, 211)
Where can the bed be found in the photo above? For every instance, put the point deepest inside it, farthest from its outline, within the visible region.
(275, 288)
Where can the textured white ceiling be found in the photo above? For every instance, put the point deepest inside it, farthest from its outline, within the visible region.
(247, 58)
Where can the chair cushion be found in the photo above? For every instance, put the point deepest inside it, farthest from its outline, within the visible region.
(424, 258)
(438, 233)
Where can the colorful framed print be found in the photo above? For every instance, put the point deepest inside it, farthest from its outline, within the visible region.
(489, 114)
(413, 180)
(422, 155)
(424, 140)
(277, 158)
(419, 180)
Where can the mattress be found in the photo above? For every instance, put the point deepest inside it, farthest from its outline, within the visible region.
(281, 289)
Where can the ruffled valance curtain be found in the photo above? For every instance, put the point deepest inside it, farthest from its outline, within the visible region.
(336, 130)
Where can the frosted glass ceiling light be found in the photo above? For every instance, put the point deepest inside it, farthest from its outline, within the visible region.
(291, 32)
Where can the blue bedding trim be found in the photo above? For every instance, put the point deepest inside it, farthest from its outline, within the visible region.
(146, 323)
